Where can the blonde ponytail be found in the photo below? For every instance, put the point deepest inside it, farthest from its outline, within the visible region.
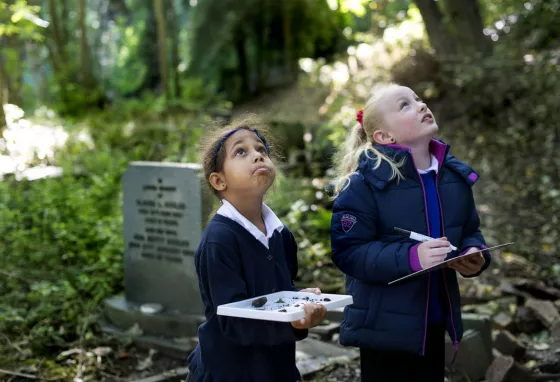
(348, 156)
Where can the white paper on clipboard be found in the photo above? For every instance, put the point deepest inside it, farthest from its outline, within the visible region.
(444, 263)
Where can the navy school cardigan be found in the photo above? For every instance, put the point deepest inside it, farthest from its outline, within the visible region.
(232, 265)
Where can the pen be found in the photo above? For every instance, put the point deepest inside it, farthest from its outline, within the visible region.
(416, 236)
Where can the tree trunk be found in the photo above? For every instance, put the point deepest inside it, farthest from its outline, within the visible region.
(16, 93)
(148, 52)
(260, 47)
(162, 40)
(433, 20)
(467, 22)
(172, 21)
(288, 38)
(242, 61)
(3, 123)
(59, 46)
(65, 20)
(87, 78)
(13, 83)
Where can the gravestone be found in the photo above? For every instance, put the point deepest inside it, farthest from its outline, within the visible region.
(165, 209)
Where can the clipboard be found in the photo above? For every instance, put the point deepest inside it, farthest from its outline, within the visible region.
(443, 264)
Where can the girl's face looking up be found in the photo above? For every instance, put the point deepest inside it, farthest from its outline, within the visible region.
(405, 119)
(248, 169)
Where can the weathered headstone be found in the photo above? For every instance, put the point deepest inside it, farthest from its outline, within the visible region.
(165, 210)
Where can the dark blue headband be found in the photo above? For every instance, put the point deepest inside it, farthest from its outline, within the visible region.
(226, 136)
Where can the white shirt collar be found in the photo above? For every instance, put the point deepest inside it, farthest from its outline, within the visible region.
(434, 166)
(271, 221)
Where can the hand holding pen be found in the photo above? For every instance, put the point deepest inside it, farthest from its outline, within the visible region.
(419, 237)
(433, 252)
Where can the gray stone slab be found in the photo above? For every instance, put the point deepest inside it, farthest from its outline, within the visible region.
(174, 375)
(178, 348)
(313, 355)
(335, 314)
(508, 344)
(165, 210)
(172, 324)
(325, 332)
(471, 359)
(545, 311)
(475, 351)
(505, 369)
(482, 324)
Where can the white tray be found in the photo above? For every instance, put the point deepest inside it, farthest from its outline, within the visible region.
(271, 310)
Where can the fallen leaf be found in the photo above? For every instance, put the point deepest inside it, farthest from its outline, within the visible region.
(123, 355)
(70, 352)
(102, 351)
(541, 346)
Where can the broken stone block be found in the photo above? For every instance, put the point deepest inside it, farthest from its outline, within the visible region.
(537, 288)
(508, 288)
(526, 321)
(313, 355)
(545, 311)
(547, 357)
(505, 369)
(512, 265)
(555, 330)
(497, 372)
(503, 320)
(508, 344)
(473, 358)
(474, 291)
(335, 314)
(483, 325)
(325, 332)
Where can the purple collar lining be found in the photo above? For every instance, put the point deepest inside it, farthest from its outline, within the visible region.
(437, 148)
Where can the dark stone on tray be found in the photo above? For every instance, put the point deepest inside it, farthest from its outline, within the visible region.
(257, 303)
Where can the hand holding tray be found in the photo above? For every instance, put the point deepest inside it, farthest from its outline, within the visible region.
(446, 262)
(284, 306)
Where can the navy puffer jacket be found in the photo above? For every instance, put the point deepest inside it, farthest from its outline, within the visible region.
(365, 248)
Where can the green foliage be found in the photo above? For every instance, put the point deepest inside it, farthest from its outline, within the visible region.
(60, 246)
(537, 25)
(254, 36)
(508, 129)
(62, 249)
(19, 18)
(302, 205)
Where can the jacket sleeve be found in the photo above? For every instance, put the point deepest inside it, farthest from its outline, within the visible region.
(355, 240)
(221, 277)
(472, 237)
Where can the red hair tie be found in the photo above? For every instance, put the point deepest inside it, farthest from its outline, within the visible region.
(360, 118)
